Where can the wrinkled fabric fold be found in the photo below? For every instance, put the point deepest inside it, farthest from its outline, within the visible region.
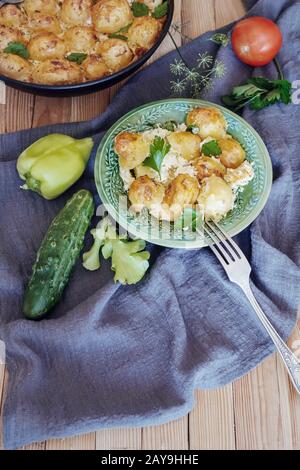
(112, 355)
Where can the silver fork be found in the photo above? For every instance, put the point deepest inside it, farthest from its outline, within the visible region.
(238, 270)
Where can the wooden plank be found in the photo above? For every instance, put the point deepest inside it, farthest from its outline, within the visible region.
(260, 424)
(226, 12)
(81, 442)
(170, 436)
(211, 424)
(294, 398)
(197, 17)
(119, 439)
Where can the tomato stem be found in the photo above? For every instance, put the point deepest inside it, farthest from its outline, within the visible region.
(279, 69)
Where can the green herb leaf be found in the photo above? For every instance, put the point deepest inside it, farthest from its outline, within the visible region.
(118, 36)
(211, 149)
(221, 39)
(161, 10)
(258, 93)
(193, 129)
(17, 48)
(77, 57)
(169, 126)
(158, 150)
(139, 9)
(125, 29)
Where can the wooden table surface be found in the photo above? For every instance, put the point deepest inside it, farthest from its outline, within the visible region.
(259, 411)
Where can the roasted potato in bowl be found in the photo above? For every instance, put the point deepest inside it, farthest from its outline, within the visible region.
(131, 148)
(144, 192)
(209, 121)
(185, 144)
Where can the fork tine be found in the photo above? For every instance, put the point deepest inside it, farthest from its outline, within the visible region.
(219, 256)
(224, 240)
(229, 239)
(223, 253)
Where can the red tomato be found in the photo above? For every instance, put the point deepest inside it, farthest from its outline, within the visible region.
(256, 40)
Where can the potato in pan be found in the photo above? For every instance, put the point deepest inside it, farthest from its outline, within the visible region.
(73, 41)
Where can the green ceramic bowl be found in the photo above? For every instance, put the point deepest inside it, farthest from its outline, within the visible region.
(250, 201)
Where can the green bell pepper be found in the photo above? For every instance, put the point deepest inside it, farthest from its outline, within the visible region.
(54, 163)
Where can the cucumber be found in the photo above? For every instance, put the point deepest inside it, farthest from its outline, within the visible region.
(57, 255)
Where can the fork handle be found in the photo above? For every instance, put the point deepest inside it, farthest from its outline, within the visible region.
(291, 362)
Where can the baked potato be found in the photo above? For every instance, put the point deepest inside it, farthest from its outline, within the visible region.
(94, 67)
(77, 12)
(207, 166)
(131, 149)
(11, 15)
(109, 16)
(115, 53)
(39, 22)
(144, 192)
(210, 122)
(185, 144)
(143, 33)
(182, 192)
(14, 66)
(80, 39)
(9, 34)
(233, 154)
(47, 7)
(216, 198)
(56, 72)
(46, 46)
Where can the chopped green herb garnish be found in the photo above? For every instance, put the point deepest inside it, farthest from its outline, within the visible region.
(211, 149)
(139, 9)
(17, 48)
(170, 126)
(158, 150)
(117, 36)
(161, 10)
(77, 57)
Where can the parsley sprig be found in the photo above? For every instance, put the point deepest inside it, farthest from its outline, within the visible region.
(211, 149)
(158, 150)
(77, 57)
(258, 93)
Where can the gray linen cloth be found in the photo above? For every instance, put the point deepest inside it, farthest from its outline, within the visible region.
(111, 355)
